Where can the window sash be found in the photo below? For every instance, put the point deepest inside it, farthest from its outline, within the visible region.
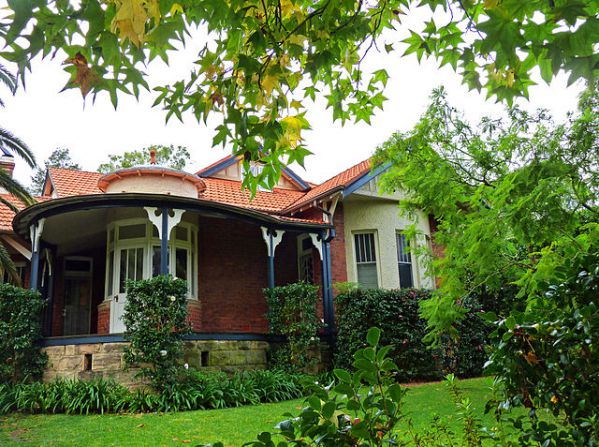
(404, 262)
(366, 264)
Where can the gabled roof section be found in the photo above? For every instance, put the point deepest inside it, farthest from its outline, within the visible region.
(229, 160)
(71, 182)
(337, 183)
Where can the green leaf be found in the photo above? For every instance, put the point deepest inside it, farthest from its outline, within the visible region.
(373, 336)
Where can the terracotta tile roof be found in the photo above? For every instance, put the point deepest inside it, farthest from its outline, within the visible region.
(70, 182)
(230, 192)
(339, 181)
(7, 215)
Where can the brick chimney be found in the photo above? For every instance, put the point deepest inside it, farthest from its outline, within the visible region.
(7, 162)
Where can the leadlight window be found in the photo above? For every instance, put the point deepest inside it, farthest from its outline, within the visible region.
(366, 265)
(133, 252)
(404, 262)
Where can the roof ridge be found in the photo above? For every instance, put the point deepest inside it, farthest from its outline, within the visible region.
(75, 170)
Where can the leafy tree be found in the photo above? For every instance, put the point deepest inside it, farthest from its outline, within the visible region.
(264, 59)
(59, 158)
(517, 203)
(10, 144)
(170, 156)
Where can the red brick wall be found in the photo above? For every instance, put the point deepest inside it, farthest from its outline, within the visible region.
(194, 315)
(104, 318)
(232, 273)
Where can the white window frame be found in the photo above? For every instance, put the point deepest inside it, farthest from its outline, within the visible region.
(414, 265)
(148, 242)
(377, 253)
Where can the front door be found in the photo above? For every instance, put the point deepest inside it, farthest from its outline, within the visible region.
(76, 310)
(131, 266)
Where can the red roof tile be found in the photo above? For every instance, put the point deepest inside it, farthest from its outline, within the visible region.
(70, 182)
(339, 181)
(230, 192)
(7, 215)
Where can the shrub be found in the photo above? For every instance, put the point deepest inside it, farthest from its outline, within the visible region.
(292, 314)
(548, 358)
(20, 331)
(397, 313)
(194, 391)
(156, 320)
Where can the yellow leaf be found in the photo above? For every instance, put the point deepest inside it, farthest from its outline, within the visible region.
(297, 39)
(269, 83)
(296, 104)
(292, 127)
(131, 17)
(176, 8)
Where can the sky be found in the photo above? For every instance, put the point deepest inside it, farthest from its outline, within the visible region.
(46, 118)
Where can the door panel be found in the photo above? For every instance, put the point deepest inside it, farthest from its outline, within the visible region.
(77, 306)
(130, 261)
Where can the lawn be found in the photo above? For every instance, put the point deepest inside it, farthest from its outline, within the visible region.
(232, 426)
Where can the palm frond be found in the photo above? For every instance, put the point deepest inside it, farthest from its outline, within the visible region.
(7, 266)
(9, 205)
(8, 79)
(15, 188)
(15, 145)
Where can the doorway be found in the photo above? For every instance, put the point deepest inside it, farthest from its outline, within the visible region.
(77, 295)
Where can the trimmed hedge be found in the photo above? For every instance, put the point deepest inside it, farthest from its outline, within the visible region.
(20, 330)
(396, 313)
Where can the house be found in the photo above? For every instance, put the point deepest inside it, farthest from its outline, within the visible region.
(90, 232)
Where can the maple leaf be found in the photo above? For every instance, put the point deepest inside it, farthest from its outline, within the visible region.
(131, 18)
(84, 77)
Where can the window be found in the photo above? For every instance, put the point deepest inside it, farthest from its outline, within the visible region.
(133, 252)
(404, 261)
(256, 169)
(366, 260)
(304, 259)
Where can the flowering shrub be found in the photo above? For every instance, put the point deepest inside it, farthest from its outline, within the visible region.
(292, 314)
(20, 331)
(156, 320)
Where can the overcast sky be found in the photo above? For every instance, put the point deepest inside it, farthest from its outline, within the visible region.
(46, 119)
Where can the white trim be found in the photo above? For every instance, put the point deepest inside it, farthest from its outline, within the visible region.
(318, 242)
(276, 238)
(35, 233)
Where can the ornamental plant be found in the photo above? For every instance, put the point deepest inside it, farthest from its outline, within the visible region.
(155, 318)
(20, 331)
(292, 314)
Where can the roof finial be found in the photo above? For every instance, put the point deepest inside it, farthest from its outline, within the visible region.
(152, 156)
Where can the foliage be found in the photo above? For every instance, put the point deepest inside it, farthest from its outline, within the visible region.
(59, 158)
(169, 156)
(155, 318)
(548, 357)
(20, 332)
(292, 314)
(396, 312)
(263, 60)
(195, 391)
(11, 145)
(517, 205)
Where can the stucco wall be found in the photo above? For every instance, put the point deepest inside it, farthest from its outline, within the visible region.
(381, 216)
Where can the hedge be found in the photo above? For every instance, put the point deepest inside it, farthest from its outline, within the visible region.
(396, 313)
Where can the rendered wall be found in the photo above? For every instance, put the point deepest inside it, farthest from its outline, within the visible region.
(363, 214)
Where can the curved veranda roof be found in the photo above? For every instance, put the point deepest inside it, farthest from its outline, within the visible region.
(32, 214)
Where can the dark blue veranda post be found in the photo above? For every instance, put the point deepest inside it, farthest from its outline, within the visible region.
(164, 243)
(271, 261)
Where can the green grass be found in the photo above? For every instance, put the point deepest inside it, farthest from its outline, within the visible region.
(232, 426)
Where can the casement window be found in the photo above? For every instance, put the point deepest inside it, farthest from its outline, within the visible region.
(133, 253)
(366, 266)
(404, 261)
(305, 261)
